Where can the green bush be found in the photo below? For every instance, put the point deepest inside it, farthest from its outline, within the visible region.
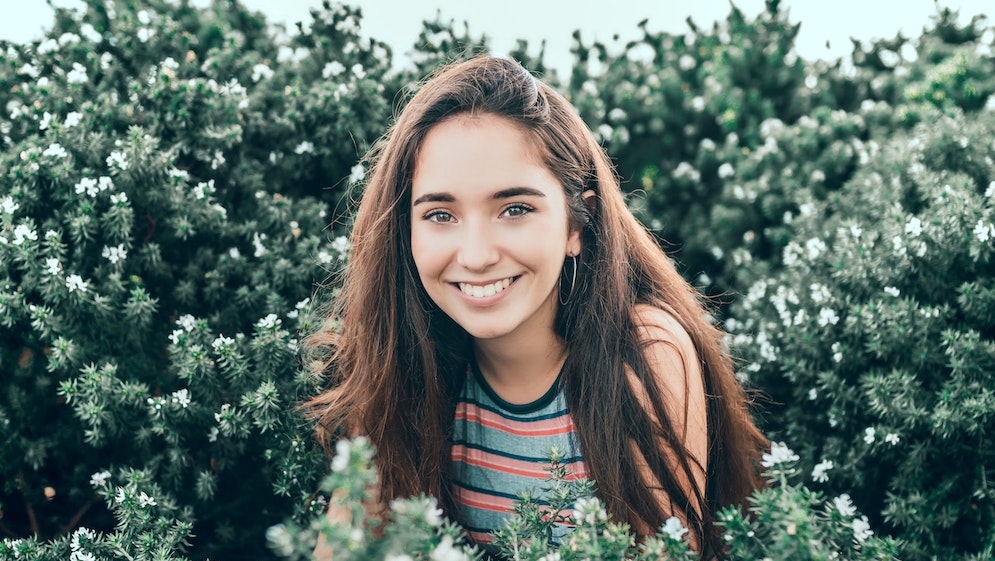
(171, 172)
(876, 339)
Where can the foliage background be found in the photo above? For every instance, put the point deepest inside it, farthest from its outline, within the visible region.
(170, 174)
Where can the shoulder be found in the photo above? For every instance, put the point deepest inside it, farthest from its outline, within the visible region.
(658, 331)
(672, 363)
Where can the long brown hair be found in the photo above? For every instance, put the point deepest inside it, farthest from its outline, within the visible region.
(396, 363)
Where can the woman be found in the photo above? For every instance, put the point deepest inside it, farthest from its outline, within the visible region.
(500, 298)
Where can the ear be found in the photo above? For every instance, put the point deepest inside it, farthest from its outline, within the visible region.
(573, 242)
(591, 200)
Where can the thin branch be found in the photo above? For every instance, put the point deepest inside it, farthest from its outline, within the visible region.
(74, 521)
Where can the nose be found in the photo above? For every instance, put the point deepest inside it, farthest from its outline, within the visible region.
(477, 248)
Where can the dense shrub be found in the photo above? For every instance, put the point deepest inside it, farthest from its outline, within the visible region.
(165, 218)
(876, 338)
(177, 180)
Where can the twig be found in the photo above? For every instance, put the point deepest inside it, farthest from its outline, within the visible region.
(74, 521)
(27, 503)
(6, 530)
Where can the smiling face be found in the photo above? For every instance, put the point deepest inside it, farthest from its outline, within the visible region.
(489, 228)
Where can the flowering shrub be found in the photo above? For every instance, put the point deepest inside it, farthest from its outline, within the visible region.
(171, 172)
(156, 264)
(876, 338)
(784, 521)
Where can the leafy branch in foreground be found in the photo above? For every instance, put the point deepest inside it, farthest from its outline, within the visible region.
(785, 520)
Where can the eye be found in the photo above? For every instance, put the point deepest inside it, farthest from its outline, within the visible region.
(516, 210)
(439, 216)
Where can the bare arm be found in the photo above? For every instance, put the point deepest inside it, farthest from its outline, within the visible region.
(677, 372)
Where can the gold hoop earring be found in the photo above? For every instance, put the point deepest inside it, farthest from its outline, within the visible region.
(573, 282)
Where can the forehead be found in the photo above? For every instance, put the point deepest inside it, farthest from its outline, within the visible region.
(477, 149)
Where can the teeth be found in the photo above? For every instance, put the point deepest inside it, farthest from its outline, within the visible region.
(478, 291)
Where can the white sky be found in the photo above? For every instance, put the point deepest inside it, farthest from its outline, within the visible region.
(398, 22)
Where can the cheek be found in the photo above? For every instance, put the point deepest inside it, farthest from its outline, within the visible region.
(425, 256)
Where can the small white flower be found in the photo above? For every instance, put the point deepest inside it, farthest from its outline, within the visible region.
(145, 500)
(779, 454)
(8, 204)
(726, 170)
(304, 147)
(855, 231)
(119, 199)
(869, 435)
(73, 119)
(982, 231)
(77, 75)
(120, 495)
(222, 341)
(224, 410)
(891, 290)
(914, 227)
(234, 253)
(837, 354)
(174, 337)
(257, 243)
(55, 150)
(844, 505)
(269, 322)
(332, 69)
(203, 189)
(820, 469)
(687, 62)
(674, 529)
(324, 257)
(115, 254)
(88, 186)
(144, 34)
(342, 245)
(84, 533)
(76, 282)
(24, 232)
(828, 316)
(861, 529)
(181, 397)
(46, 120)
(446, 552)
(187, 322)
(218, 160)
(814, 246)
(357, 174)
(47, 46)
(117, 159)
(53, 266)
(891, 438)
(813, 394)
(261, 72)
(212, 435)
(589, 510)
(28, 70)
(357, 70)
(100, 478)
(343, 452)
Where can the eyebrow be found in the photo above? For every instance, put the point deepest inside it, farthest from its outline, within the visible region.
(502, 194)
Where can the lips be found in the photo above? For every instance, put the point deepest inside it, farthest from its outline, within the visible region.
(485, 290)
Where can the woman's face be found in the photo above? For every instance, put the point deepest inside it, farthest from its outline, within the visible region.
(489, 228)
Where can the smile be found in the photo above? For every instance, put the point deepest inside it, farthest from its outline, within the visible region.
(482, 291)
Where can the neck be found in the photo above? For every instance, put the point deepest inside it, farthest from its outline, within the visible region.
(521, 370)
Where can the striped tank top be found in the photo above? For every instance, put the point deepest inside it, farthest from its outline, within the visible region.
(499, 450)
